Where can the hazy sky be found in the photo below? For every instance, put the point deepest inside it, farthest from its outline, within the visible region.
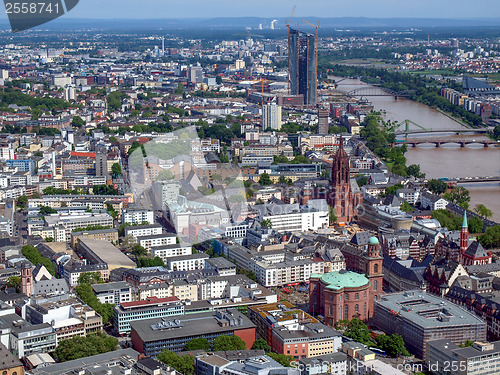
(282, 8)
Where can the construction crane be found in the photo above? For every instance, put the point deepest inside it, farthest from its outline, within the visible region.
(288, 26)
(262, 80)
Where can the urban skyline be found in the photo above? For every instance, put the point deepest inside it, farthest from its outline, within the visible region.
(134, 9)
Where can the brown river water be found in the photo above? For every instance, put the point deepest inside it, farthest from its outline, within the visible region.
(449, 160)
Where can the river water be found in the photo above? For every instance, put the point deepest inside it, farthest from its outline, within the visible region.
(449, 160)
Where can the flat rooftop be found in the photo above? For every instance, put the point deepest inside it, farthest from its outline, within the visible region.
(196, 324)
(426, 310)
(108, 253)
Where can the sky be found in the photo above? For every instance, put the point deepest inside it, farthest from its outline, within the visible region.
(144, 9)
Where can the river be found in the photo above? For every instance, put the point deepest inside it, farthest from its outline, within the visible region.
(449, 160)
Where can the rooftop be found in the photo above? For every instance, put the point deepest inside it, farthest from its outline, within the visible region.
(190, 325)
(127, 356)
(426, 310)
(150, 301)
(107, 252)
(101, 288)
(343, 279)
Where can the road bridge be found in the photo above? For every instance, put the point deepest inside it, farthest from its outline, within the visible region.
(377, 91)
(461, 130)
(439, 142)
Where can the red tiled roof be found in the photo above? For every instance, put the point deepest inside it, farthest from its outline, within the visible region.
(83, 154)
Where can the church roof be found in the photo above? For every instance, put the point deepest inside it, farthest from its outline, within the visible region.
(343, 279)
(476, 250)
(361, 238)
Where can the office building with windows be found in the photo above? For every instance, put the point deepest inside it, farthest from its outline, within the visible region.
(152, 336)
(302, 65)
(420, 317)
(271, 116)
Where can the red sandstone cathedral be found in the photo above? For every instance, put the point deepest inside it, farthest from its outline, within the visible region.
(344, 195)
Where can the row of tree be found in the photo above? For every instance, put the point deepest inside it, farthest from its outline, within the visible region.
(85, 292)
(393, 345)
(379, 140)
(33, 255)
(81, 347)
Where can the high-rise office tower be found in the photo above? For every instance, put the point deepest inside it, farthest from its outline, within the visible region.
(302, 65)
(101, 162)
(323, 124)
(271, 116)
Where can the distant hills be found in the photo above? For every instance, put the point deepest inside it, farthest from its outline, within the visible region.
(254, 22)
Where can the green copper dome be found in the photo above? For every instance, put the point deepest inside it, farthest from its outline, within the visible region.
(343, 279)
(373, 241)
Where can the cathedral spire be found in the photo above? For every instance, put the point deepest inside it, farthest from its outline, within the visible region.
(464, 235)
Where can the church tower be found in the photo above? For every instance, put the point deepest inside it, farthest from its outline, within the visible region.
(340, 197)
(464, 235)
(26, 279)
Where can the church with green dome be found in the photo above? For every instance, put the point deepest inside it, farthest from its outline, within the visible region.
(348, 294)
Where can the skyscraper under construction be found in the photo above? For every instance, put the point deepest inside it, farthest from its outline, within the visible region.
(302, 65)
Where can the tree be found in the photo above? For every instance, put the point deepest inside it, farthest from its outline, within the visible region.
(14, 282)
(138, 250)
(116, 169)
(358, 331)
(459, 195)
(261, 344)
(198, 343)
(266, 223)
(447, 219)
(362, 181)
(414, 170)
(44, 210)
(36, 195)
(265, 179)
(86, 294)
(180, 89)
(218, 79)
(406, 207)
(81, 347)
(483, 211)
(224, 343)
(437, 186)
(491, 237)
(114, 100)
(466, 344)
(476, 224)
(393, 345)
(33, 255)
(282, 359)
(90, 278)
(128, 242)
(21, 201)
(183, 364)
(399, 169)
(77, 122)
(150, 262)
(393, 189)
(332, 217)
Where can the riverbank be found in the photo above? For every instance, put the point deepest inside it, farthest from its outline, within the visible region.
(449, 160)
(453, 118)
